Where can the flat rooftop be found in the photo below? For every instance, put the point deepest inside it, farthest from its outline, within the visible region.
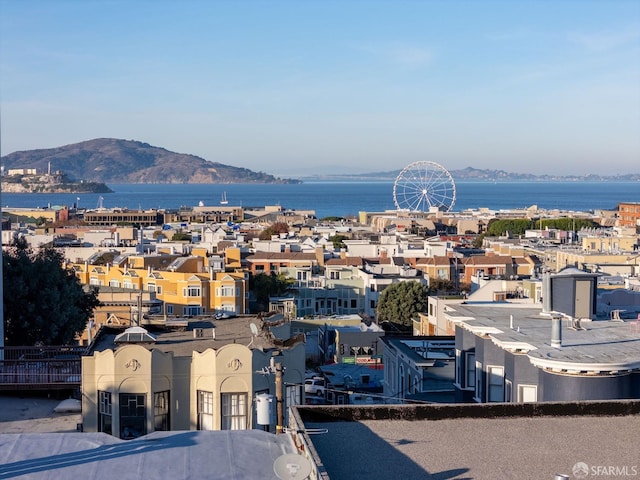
(185, 336)
(180, 455)
(382, 442)
(597, 346)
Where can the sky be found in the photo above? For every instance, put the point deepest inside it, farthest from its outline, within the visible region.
(303, 87)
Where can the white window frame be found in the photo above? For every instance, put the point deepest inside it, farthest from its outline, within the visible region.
(192, 291)
(205, 410)
(227, 291)
(522, 387)
(234, 411)
(478, 387)
(470, 371)
(495, 383)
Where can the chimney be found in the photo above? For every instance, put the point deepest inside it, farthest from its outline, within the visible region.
(556, 330)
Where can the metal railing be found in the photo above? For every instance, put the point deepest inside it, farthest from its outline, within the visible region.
(39, 368)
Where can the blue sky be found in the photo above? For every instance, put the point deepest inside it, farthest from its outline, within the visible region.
(301, 87)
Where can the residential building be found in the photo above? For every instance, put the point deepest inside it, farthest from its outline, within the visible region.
(186, 375)
(560, 351)
(419, 368)
(629, 214)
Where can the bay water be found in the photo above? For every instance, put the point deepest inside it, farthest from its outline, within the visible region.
(341, 198)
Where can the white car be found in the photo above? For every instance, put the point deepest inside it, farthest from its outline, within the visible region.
(314, 386)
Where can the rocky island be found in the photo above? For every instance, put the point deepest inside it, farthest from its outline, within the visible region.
(29, 181)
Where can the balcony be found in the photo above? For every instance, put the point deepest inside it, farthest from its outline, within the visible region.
(41, 368)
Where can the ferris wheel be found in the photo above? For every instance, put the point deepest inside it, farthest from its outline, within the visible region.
(423, 185)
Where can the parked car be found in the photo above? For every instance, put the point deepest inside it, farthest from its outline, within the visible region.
(314, 386)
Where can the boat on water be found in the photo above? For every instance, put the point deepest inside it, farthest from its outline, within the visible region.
(224, 200)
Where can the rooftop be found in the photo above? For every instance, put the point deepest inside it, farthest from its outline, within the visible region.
(599, 346)
(531, 441)
(246, 454)
(184, 336)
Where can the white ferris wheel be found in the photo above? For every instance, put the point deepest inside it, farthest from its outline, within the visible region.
(421, 186)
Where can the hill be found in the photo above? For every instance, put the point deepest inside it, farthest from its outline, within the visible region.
(472, 174)
(111, 160)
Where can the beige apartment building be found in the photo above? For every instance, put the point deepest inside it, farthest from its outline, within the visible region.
(187, 375)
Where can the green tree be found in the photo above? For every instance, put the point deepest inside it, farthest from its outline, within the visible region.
(338, 241)
(43, 302)
(265, 285)
(400, 302)
(180, 236)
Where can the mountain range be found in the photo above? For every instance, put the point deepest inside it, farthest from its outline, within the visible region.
(476, 174)
(110, 160)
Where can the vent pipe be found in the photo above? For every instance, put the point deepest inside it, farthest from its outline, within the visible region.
(556, 331)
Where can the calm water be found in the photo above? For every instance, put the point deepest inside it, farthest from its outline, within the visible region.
(348, 198)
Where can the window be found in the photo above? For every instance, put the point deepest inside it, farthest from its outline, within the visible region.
(507, 390)
(191, 291)
(302, 276)
(133, 415)
(127, 284)
(105, 413)
(191, 310)
(527, 393)
(470, 365)
(354, 303)
(478, 390)
(94, 281)
(161, 410)
(442, 273)
(459, 367)
(228, 291)
(205, 410)
(495, 384)
(114, 283)
(152, 287)
(234, 411)
(169, 309)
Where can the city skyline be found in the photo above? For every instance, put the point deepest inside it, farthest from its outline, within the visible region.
(297, 88)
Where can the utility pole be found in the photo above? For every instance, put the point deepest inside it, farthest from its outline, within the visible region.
(279, 413)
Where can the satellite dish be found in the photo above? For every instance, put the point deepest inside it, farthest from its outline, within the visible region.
(254, 329)
(292, 466)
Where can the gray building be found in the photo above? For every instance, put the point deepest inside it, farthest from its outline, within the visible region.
(560, 352)
(419, 368)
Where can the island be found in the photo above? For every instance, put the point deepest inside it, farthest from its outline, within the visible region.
(23, 180)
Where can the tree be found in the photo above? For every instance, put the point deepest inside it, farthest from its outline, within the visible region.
(274, 229)
(43, 302)
(181, 236)
(338, 241)
(400, 302)
(265, 285)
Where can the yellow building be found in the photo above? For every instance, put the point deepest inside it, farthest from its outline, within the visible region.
(609, 243)
(183, 285)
